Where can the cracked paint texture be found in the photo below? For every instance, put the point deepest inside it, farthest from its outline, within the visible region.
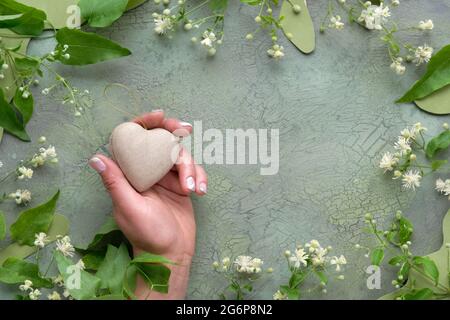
(336, 114)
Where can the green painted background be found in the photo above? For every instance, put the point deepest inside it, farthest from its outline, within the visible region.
(335, 112)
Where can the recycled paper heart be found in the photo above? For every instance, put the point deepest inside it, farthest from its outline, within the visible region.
(144, 156)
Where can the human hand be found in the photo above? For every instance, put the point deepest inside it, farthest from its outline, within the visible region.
(161, 219)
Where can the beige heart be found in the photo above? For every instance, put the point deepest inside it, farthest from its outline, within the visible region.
(144, 156)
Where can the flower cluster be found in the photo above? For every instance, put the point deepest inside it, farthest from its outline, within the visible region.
(27, 287)
(64, 246)
(168, 21)
(21, 197)
(44, 155)
(247, 264)
(306, 259)
(403, 162)
(443, 186)
(377, 17)
(41, 240)
(241, 273)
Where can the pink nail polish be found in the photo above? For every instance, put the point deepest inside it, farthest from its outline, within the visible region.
(97, 164)
(185, 124)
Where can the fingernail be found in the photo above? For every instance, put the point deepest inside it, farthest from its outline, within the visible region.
(157, 110)
(202, 187)
(97, 164)
(185, 124)
(190, 183)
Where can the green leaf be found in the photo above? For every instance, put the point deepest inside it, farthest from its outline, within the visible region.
(109, 233)
(112, 270)
(93, 259)
(423, 294)
(396, 260)
(436, 164)
(322, 276)
(101, 13)
(154, 273)
(429, 267)
(405, 230)
(129, 283)
(252, 2)
(110, 297)
(218, 5)
(2, 226)
(436, 77)
(438, 143)
(83, 287)
(24, 105)
(15, 271)
(31, 21)
(377, 256)
(296, 279)
(9, 120)
(151, 258)
(33, 221)
(87, 48)
(60, 226)
(26, 66)
(292, 293)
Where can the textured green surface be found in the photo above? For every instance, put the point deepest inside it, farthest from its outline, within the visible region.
(336, 113)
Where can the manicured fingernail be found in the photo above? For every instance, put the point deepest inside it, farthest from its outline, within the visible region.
(190, 183)
(157, 110)
(97, 164)
(185, 124)
(202, 187)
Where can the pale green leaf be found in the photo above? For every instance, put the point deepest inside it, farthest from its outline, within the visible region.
(33, 221)
(101, 13)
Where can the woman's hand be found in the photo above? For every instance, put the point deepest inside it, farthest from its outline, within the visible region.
(161, 219)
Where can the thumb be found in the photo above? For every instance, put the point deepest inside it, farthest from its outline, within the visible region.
(122, 193)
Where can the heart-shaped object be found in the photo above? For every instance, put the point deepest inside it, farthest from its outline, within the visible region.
(144, 156)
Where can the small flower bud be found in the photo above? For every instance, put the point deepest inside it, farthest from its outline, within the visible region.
(249, 36)
(193, 39)
(166, 12)
(257, 19)
(289, 35)
(287, 253)
(269, 10)
(188, 26)
(412, 157)
(215, 264)
(445, 126)
(211, 52)
(270, 270)
(42, 139)
(296, 8)
(397, 174)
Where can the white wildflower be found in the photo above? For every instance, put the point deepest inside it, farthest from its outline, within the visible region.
(279, 296)
(422, 54)
(66, 293)
(388, 162)
(318, 259)
(27, 285)
(397, 66)
(24, 172)
(163, 23)
(426, 25)
(41, 239)
(299, 258)
(208, 39)
(80, 265)
(22, 197)
(58, 280)
(35, 294)
(336, 23)
(247, 264)
(374, 16)
(395, 3)
(276, 52)
(338, 261)
(411, 179)
(64, 246)
(54, 296)
(403, 145)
